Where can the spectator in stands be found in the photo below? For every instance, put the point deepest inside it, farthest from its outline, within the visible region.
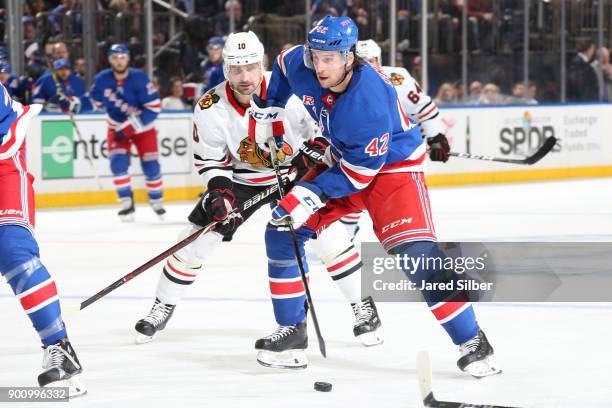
(79, 67)
(475, 91)
(603, 69)
(60, 50)
(15, 86)
(582, 78)
(480, 23)
(213, 68)
(174, 101)
(491, 95)
(446, 94)
(532, 92)
(519, 96)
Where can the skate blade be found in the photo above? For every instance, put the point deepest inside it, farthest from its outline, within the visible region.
(483, 368)
(371, 339)
(74, 384)
(127, 218)
(143, 339)
(290, 359)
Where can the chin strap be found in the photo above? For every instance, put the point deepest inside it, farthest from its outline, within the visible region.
(249, 95)
(346, 72)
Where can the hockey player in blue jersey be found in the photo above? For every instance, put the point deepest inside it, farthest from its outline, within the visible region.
(132, 104)
(376, 162)
(213, 68)
(19, 255)
(71, 97)
(16, 86)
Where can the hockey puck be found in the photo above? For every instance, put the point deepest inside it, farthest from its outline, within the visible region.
(322, 386)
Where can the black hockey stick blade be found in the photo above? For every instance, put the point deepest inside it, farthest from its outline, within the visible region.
(425, 384)
(548, 145)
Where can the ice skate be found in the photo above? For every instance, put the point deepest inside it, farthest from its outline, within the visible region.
(127, 210)
(155, 321)
(284, 348)
(367, 323)
(158, 209)
(62, 368)
(477, 357)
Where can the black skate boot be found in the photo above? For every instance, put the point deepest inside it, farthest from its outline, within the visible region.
(126, 213)
(367, 324)
(62, 368)
(284, 348)
(155, 321)
(158, 209)
(477, 357)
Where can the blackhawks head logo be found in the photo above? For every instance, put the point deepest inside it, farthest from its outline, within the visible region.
(397, 79)
(208, 99)
(254, 155)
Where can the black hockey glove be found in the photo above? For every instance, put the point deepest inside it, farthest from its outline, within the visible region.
(219, 203)
(312, 153)
(438, 148)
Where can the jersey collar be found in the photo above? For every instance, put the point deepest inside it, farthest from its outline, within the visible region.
(232, 100)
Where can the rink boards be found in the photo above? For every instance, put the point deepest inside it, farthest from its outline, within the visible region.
(57, 157)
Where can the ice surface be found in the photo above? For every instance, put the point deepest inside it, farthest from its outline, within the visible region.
(555, 355)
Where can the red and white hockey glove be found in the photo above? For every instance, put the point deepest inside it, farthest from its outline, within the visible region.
(302, 201)
(265, 122)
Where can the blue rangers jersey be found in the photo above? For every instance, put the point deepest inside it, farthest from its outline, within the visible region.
(45, 89)
(366, 125)
(17, 87)
(134, 98)
(213, 75)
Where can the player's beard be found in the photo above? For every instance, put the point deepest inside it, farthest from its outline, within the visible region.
(235, 89)
(123, 71)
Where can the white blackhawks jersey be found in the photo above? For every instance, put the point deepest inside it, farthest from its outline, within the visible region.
(421, 108)
(222, 146)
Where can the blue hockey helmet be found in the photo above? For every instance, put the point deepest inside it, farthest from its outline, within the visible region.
(118, 48)
(5, 66)
(61, 63)
(216, 41)
(331, 34)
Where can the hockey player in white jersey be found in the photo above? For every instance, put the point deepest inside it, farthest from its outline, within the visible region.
(235, 169)
(417, 104)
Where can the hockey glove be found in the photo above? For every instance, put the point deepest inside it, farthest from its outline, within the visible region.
(315, 153)
(265, 122)
(220, 204)
(438, 148)
(302, 201)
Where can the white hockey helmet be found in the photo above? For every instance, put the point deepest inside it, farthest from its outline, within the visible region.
(242, 49)
(369, 49)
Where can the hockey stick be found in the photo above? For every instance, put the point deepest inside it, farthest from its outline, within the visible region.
(425, 383)
(279, 180)
(123, 280)
(549, 143)
(74, 124)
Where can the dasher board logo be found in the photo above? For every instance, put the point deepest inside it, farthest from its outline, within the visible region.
(57, 149)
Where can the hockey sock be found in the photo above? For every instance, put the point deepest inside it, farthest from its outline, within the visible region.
(34, 287)
(182, 267)
(450, 308)
(286, 287)
(119, 163)
(153, 178)
(341, 259)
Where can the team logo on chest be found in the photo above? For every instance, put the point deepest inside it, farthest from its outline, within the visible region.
(208, 99)
(329, 99)
(254, 155)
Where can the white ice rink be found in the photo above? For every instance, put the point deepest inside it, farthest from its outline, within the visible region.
(552, 355)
